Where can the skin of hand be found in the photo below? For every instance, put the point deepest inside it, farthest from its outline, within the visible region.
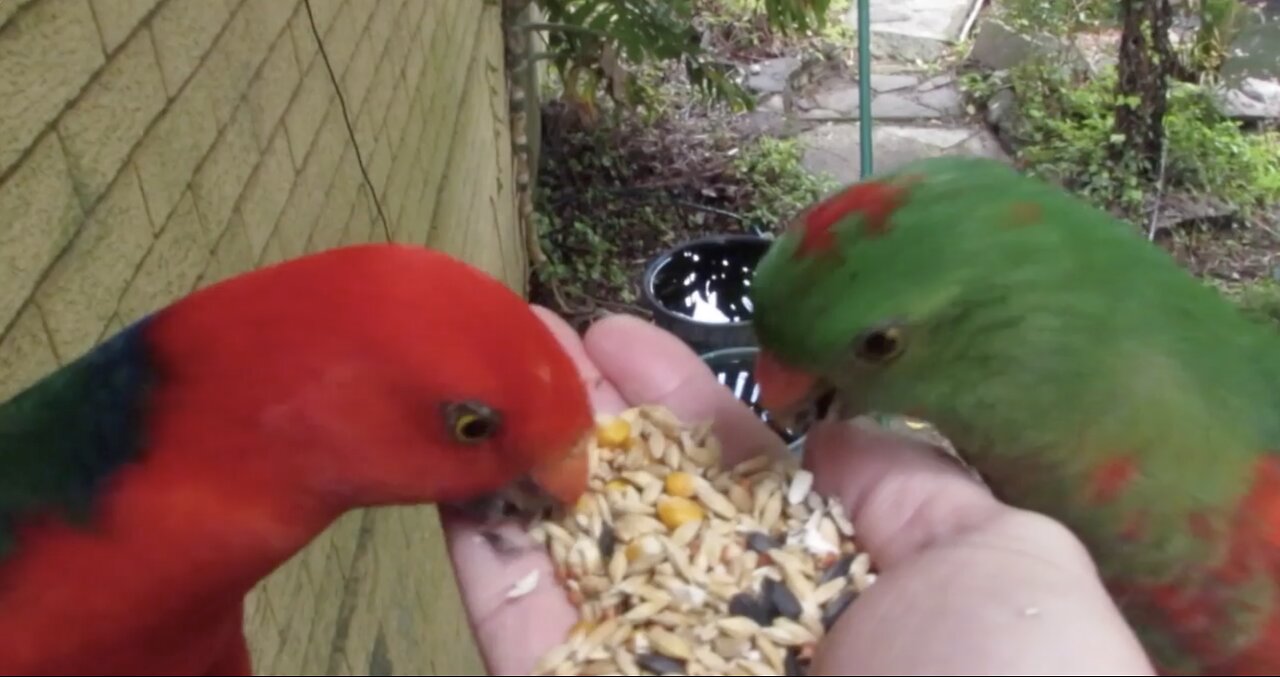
(966, 585)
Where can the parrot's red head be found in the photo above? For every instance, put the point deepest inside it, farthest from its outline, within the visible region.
(815, 238)
(366, 375)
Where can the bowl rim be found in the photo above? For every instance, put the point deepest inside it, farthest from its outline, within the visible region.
(651, 270)
(731, 351)
(797, 445)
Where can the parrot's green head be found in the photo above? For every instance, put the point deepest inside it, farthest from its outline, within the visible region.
(886, 291)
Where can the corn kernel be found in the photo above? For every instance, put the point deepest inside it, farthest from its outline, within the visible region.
(614, 434)
(680, 484)
(617, 485)
(583, 626)
(645, 546)
(674, 511)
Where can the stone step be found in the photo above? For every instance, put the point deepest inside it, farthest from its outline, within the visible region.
(900, 96)
(833, 149)
(917, 30)
(897, 93)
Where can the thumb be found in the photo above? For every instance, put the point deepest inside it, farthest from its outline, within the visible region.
(902, 495)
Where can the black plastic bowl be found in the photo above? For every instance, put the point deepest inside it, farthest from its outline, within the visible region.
(734, 367)
(699, 290)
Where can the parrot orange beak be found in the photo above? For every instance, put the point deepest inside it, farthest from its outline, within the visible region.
(781, 388)
(558, 481)
(564, 478)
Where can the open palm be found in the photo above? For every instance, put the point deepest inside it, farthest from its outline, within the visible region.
(966, 585)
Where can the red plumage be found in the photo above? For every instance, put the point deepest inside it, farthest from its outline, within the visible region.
(283, 398)
(1207, 620)
(872, 201)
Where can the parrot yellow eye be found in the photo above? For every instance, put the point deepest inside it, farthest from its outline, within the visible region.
(880, 345)
(471, 422)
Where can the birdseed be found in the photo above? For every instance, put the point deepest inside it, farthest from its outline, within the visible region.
(678, 565)
(524, 586)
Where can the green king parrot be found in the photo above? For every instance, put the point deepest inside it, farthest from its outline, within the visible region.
(1075, 365)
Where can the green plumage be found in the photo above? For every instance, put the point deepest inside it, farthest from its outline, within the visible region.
(64, 436)
(1045, 338)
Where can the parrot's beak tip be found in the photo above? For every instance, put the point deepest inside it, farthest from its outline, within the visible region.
(555, 483)
(564, 478)
(790, 395)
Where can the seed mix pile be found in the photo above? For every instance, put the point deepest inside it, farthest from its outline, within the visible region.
(680, 566)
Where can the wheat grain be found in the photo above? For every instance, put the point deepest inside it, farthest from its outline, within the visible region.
(678, 565)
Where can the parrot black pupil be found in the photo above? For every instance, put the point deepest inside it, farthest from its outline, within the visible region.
(476, 427)
(879, 345)
(471, 421)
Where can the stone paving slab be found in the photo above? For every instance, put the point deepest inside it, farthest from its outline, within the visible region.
(916, 113)
(896, 94)
(915, 30)
(770, 76)
(833, 149)
(893, 97)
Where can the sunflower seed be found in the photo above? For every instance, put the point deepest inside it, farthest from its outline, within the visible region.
(607, 541)
(746, 605)
(838, 570)
(792, 666)
(831, 612)
(761, 542)
(659, 664)
(780, 597)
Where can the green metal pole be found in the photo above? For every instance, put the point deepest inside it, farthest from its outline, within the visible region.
(864, 116)
(864, 85)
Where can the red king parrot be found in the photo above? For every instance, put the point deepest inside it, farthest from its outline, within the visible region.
(146, 487)
(1077, 367)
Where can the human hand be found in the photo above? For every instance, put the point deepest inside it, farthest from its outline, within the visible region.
(623, 360)
(966, 585)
